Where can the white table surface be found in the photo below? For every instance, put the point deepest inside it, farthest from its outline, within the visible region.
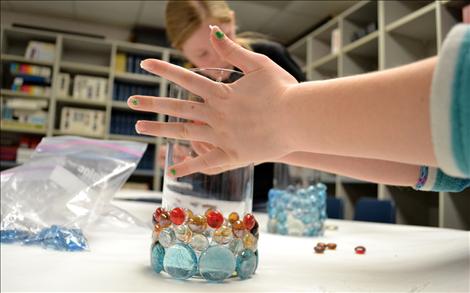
(398, 259)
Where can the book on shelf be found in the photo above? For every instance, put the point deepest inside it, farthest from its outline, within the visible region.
(335, 40)
(8, 153)
(82, 121)
(123, 122)
(136, 186)
(90, 88)
(40, 51)
(133, 64)
(20, 85)
(63, 84)
(120, 62)
(31, 73)
(122, 91)
(25, 104)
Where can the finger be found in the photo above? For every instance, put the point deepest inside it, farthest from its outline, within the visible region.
(201, 147)
(177, 130)
(193, 82)
(212, 159)
(235, 54)
(218, 170)
(200, 150)
(167, 106)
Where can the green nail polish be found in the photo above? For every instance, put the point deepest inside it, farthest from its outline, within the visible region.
(173, 172)
(219, 35)
(135, 102)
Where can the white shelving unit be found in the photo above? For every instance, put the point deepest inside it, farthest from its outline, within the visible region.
(407, 31)
(82, 55)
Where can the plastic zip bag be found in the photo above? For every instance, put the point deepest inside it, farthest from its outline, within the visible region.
(65, 189)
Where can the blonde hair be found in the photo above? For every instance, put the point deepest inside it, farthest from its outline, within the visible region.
(183, 17)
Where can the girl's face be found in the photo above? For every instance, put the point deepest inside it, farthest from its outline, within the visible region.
(198, 49)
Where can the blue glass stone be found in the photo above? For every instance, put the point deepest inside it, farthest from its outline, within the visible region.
(281, 216)
(321, 187)
(274, 193)
(246, 264)
(272, 211)
(281, 228)
(157, 256)
(59, 238)
(236, 246)
(13, 235)
(217, 263)
(180, 261)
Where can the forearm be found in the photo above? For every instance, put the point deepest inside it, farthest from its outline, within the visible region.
(382, 115)
(372, 170)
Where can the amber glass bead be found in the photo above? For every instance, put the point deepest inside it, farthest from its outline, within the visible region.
(177, 216)
(197, 223)
(223, 235)
(214, 219)
(319, 249)
(249, 221)
(189, 214)
(250, 241)
(331, 246)
(233, 217)
(238, 228)
(321, 244)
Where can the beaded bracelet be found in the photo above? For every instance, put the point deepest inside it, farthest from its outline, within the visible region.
(210, 246)
(423, 177)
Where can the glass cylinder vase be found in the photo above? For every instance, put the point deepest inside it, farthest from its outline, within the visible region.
(205, 227)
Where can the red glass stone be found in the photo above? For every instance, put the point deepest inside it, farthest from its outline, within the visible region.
(157, 214)
(214, 219)
(177, 216)
(249, 221)
(165, 221)
(360, 250)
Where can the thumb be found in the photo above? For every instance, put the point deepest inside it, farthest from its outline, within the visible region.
(235, 54)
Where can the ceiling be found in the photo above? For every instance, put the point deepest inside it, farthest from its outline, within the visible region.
(283, 20)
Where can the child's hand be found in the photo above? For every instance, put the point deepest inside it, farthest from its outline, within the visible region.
(246, 120)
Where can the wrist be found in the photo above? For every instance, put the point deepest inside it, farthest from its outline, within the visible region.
(291, 120)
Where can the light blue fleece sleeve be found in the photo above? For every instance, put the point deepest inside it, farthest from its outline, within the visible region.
(450, 116)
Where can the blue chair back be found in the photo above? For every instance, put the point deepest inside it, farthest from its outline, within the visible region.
(374, 210)
(334, 208)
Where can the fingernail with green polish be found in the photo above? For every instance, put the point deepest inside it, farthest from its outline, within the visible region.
(219, 35)
(135, 102)
(173, 172)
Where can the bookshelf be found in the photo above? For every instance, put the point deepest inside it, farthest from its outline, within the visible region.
(405, 31)
(96, 58)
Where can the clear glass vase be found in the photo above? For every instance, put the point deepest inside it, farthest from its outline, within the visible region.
(230, 191)
(205, 227)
